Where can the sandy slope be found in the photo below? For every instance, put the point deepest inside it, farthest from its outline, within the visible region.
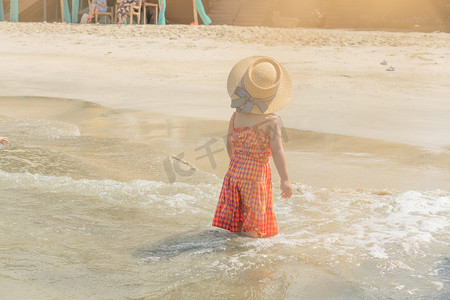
(337, 74)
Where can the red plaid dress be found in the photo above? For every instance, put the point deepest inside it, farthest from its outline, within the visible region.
(246, 194)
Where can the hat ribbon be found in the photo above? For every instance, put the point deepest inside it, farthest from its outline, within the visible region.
(248, 101)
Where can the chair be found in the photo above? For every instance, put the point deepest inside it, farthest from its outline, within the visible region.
(154, 6)
(107, 13)
(134, 11)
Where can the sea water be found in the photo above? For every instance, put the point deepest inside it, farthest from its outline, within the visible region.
(94, 216)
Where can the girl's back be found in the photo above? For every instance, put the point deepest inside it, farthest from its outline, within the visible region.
(249, 137)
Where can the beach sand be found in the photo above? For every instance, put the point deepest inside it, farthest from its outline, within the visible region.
(107, 191)
(351, 123)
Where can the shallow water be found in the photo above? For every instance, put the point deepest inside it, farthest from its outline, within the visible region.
(87, 212)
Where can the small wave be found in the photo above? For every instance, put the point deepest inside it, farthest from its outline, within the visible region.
(382, 223)
(167, 198)
(371, 234)
(38, 128)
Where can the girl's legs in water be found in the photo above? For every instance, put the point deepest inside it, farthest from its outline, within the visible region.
(251, 234)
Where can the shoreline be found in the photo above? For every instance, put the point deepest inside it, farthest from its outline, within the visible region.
(316, 159)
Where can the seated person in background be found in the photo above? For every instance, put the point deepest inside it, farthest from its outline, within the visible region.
(123, 9)
(96, 6)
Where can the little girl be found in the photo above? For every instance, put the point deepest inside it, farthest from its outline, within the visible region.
(258, 86)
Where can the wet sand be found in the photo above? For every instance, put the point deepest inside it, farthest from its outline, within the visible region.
(142, 141)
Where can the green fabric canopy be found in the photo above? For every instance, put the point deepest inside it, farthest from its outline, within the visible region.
(14, 11)
(2, 13)
(162, 13)
(201, 11)
(66, 12)
(75, 5)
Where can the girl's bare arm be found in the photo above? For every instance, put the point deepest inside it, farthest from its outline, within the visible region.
(279, 157)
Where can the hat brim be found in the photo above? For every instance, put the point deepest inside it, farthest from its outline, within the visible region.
(284, 93)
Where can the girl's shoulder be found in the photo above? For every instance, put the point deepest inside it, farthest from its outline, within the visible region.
(273, 119)
(270, 124)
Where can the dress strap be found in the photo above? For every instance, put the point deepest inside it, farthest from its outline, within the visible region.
(265, 119)
(232, 120)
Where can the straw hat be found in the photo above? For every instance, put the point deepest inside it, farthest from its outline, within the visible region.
(259, 85)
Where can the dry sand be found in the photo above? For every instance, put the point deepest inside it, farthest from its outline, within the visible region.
(355, 123)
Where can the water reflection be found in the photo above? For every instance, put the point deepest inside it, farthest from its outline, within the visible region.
(188, 244)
